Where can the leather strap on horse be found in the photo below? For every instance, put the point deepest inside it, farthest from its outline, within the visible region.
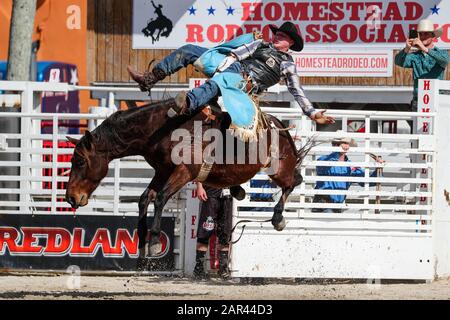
(204, 171)
(243, 227)
(206, 167)
(208, 113)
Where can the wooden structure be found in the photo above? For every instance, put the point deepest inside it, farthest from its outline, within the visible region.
(109, 52)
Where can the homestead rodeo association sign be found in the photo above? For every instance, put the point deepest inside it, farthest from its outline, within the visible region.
(159, 24)
(89, 242)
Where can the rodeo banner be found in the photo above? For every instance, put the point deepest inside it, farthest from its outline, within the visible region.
(56, 242)
(168, 24)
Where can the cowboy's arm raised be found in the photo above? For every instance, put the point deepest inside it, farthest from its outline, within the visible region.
(289, 71)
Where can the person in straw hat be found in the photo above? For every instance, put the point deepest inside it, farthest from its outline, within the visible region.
(421, 54)
(344, 144)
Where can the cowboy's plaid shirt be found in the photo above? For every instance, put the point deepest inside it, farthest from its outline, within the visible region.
(288, 71)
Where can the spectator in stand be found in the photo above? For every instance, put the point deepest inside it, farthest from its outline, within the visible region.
(344, 144)
(425, 59)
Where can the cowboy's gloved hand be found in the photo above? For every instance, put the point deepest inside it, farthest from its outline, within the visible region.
(320, 118)
(228, 61)
(257, 35)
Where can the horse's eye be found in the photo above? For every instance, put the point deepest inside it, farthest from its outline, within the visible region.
(79, 162)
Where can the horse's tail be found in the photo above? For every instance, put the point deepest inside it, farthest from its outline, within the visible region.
(303, 151)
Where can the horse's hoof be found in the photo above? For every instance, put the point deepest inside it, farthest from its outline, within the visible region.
(281, 225)
(237, 192)
(155, 249)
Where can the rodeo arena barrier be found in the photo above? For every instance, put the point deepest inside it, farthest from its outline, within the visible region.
(398, 229)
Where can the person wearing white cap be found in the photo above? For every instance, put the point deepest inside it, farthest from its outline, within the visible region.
(421, 54)
(344, 144)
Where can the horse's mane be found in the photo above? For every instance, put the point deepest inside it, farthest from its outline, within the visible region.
(107, 135)
(301, 152)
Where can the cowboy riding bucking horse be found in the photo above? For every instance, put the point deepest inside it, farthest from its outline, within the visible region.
(239, 70)
(246, 65)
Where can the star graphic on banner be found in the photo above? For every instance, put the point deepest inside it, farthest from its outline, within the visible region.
(211, 11)
(192, 11)
(230, 10)
(435, 10)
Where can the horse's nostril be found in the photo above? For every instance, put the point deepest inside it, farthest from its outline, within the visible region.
(71, 201)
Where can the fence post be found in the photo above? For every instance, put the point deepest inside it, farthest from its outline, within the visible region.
(25, 143)
(116, 187)
(429, 92)
(54, 163)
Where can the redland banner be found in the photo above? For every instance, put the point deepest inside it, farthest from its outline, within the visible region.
(92, 243)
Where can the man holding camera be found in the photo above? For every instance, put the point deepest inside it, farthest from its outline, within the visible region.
(420, 54)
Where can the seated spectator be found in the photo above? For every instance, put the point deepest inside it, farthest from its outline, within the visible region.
(261, 196)
(345, 144)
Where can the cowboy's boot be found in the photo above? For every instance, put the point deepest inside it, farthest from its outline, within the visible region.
(224, 271)
(237, 192)
(179, 106)
(199, 270)
(147, 79)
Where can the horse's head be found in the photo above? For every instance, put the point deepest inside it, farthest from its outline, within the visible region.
(89, 167)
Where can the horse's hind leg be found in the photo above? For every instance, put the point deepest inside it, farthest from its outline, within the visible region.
(180, 176)
(287, 184)
(278, 221)
(148, 196)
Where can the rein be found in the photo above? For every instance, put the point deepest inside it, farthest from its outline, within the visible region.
(243, 228)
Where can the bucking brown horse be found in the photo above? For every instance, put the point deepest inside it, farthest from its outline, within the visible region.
(146, 131)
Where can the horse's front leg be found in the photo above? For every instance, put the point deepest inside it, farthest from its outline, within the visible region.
(278, 221)
(176, 181)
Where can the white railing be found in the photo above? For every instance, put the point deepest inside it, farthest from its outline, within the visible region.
(399, 214)
(115, 186)
(384, 232)
(44, 161)
(399, 178)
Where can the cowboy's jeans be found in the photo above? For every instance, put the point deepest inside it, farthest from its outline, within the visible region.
(182, 57)
(203, 94)
(187, 55)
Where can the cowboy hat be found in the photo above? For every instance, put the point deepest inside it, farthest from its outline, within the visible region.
(350, 141)
(290, 29)
(428, 26)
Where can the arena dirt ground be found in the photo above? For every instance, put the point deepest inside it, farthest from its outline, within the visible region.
(55, 286)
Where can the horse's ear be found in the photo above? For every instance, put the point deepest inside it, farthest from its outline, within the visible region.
(73, 140)
(89, 139)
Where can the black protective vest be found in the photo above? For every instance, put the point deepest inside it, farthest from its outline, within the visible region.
(264, 65)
